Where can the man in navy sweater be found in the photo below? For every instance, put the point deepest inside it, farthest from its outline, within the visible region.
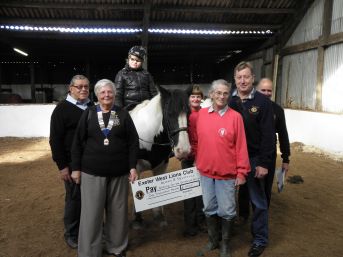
(256, 110)
(265, 86)
(64, 120)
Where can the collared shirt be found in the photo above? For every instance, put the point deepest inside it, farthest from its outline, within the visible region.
(250, 96)
(81, 105)
(221, 112)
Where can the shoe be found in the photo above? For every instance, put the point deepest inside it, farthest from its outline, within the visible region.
(137, 224)
(71, 242)
(256, 250)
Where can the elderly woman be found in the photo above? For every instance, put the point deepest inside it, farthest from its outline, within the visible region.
(223, 162)
(104, 157)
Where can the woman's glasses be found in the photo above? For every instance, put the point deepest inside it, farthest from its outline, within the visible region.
(218, 93)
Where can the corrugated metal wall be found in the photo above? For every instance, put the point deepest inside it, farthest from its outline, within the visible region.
(269, 54)
(268, 68)
(337, 17)
(299, 71)
(310, 27)
(299, 74)
(268, 71)
(333, 79)
(257, 65)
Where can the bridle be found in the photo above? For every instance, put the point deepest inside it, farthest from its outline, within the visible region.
(170, 133)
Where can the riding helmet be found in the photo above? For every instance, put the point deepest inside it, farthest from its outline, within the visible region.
(138, 51)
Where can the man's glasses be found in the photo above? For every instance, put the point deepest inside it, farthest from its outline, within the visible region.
(85, 87)
(243, 77)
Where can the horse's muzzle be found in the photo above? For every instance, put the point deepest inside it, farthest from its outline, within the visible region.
(181, 153)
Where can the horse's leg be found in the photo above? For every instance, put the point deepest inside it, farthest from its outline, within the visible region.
(137, 217)
(158, 212)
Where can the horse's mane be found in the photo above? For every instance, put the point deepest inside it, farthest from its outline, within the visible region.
(177, 102)
(148, 115)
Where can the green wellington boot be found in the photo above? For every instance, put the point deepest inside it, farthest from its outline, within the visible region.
(227, 226)
(213, 236)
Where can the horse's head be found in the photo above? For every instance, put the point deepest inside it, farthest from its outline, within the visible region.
(175, 107)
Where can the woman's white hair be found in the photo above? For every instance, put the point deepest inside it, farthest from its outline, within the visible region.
(101, 83)
(218, 82)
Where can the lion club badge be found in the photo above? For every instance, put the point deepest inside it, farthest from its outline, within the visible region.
(139, 195)
(222, 132)
(254, 109)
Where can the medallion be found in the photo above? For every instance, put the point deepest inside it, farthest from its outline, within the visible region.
(106, 141)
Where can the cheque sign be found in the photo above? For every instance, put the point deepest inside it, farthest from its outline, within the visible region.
(166, 188)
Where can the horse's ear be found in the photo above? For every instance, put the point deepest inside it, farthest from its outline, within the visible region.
(163, 91)
(189, 90)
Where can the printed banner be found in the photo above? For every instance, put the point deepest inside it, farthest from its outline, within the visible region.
(166, 188)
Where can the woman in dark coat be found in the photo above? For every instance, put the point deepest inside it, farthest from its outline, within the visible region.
(104, 158)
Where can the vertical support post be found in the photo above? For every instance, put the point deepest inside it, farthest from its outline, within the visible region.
(275, 74)
(264, 63)
(326, 31)
(88, 68)
(32, 82)
(0, 78)
(145, 34)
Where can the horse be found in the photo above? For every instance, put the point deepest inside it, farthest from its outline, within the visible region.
(161, 124)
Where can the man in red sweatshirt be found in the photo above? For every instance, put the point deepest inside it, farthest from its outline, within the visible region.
(223, 162)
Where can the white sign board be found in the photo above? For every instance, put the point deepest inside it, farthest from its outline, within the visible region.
(166, 188)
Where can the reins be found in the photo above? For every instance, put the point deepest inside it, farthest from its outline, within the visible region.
(170, 132)
(149, 142)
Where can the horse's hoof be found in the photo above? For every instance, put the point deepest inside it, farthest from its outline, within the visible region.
(136, 225)
(160, 220)
(163, 224)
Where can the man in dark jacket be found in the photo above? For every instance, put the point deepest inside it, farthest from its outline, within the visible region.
(133, 83)
(64, 120)
(257, 113)
(265, 86)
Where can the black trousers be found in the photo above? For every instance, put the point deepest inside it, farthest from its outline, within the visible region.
(72, 210)
(270, 178)
(193, 207)
(243, 193)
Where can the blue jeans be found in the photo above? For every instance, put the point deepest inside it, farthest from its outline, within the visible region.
(218, 197)
(259, 225)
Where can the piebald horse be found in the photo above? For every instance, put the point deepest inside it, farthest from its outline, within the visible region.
(161, 124)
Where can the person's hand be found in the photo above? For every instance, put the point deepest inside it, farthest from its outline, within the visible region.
(64, 175)
(239, 181)
(260, 172)
(76, 176)
(285, 167)
(133, 175)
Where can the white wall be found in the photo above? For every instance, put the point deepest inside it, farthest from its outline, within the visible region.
(321, 130)
(25, 120)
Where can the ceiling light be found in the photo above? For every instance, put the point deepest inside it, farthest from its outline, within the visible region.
(118, 30)
(20, 51)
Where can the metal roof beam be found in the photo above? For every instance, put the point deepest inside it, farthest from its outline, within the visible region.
(120, 7)
(83, 6)
(227, 10)
(129, 24)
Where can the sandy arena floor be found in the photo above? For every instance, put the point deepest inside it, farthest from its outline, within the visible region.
(305, 219)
